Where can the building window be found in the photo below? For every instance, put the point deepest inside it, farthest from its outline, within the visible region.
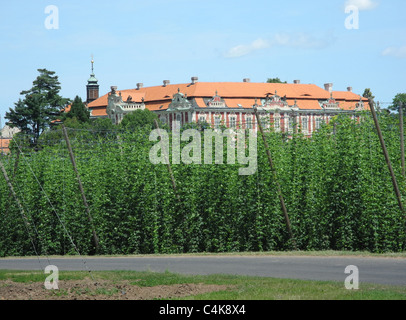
(248, 123)
(265, 122)
(305, 123)
(291, 123)
(216, 122)
(277, 123)
(177, 122)
(318, 123)
(202, 119)
(233, 122)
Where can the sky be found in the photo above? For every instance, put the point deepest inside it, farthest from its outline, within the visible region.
(350, 43)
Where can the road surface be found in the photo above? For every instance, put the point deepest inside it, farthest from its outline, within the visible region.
(378, 270)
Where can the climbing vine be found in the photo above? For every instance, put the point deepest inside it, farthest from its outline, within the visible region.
(336, 185)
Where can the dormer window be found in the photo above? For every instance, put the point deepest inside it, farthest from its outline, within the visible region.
(275, 102)
(330, 104)
(216, 102)
(179, 101)
(360, 106)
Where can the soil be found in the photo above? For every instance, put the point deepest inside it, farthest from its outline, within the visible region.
(101, 290)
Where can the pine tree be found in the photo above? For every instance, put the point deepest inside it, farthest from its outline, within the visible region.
(40, 105)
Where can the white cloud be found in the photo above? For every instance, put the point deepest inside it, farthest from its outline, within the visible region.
(362, 4)
(293, 40)
(242, 49)
(302, 40)
(397, 52)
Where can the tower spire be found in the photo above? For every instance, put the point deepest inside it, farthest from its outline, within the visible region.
(92, 64)
(92, 87)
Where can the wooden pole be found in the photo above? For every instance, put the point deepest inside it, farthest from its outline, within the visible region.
(72, 158)
(385, 153)
(10, 185)
(402, 139)
(279, 190)
(168, 166)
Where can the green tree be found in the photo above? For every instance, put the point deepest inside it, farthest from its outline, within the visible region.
(40, 106)
(397, 100)
(139, 118)
(275, 80)
(368, 94)
(78, 110)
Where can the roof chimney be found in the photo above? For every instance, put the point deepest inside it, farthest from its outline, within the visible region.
(166, 82)
(194, 79)
(246, 80)
(349, 89)
(139, 86)
(328, 87)
(296, 81)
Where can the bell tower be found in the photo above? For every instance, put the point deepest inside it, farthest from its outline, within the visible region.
(92, 87)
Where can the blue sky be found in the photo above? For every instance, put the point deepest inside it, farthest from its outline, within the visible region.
(222, 40)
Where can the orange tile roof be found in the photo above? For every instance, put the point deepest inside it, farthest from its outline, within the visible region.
(99, 112)
(233, 93)
(347, 95)
(305, 104)
(348, 100)
(241, 103)
(102, 101)
(4, 145)
(156, 106)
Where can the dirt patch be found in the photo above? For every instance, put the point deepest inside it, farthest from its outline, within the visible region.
(101, 290)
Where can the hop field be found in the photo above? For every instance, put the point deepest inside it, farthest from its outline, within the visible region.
(336, 186)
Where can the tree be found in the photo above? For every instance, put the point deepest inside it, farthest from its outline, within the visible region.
(397, 100)
(40, 106)
(274, 80)
(139, 118)
(368, 94)
(78, 110)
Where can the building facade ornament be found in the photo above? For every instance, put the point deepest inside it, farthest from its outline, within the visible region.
(117, 108)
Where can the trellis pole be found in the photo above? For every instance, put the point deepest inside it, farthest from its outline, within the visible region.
(385, 153)
(402, 139)
(168, 165)
(72, 158)
(279, 190)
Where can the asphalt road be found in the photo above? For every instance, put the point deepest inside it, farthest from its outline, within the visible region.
(371, 270)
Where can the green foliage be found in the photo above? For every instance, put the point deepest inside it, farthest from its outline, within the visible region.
(336, 185)
(139, 118)
(40, 106)
(78, 110)
(400, 98)
(368, 94)
(275, 80)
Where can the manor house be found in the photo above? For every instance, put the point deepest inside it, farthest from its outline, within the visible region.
(283, 106)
